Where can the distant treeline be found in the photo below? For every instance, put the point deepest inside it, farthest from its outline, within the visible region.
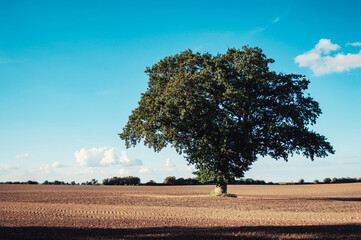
(17, 182)
(56, 182)
(171, 180)
(339, 180)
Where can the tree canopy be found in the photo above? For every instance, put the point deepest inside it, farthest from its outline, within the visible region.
(222, 112)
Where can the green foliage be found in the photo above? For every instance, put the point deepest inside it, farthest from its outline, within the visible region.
(130, 180)
(327, 180)
(301, 181)
(171, 180)
(344, 180)
(31, 182)
(151, 182)
(56, 182)
(224, 111)
(251, 181)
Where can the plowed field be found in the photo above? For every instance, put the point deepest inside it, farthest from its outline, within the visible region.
(180, 212)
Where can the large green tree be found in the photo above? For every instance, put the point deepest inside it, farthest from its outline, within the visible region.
(222, 112)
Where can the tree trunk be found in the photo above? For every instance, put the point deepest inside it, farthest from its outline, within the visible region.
(221, 188)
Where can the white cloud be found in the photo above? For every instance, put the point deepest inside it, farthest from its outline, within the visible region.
(59, 165)
(325, 46)
(56, 165)
(320, 62)
(189, 169)
(124, 158)
(45, 169)
(168, 163)
(89, 157)
(355, 44)
(109, 157)
(144, 169)
(104, 156)
(25, 155)
(123, 171)
(170, 166)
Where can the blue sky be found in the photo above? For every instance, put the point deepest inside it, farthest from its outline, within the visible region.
(72, 71)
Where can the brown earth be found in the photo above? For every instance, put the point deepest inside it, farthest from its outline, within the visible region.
(180, 212)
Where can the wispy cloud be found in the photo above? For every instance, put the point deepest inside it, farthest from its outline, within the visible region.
(60, 165)
(25, 155)
(144, 169)
(355, 44)
(123, 171)
(44, 169)
(321, 62)
(256, 30)
(281, 16)
(169, 165)
(189, 169)
(9, 167)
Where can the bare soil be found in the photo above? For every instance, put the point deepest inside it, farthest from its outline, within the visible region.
(180, 212)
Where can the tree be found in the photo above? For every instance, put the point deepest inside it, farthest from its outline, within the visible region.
(327, 180)
(224, 111)
(171, 180)
(151, 182)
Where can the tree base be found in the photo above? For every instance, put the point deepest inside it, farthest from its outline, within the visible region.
(221, 188)
(223, 195)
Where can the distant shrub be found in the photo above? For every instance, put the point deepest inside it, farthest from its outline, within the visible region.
(192, 181)
(130, 180)
(57, 182)
(31, 182)
(261, 182)
(327, 180)
(105, 181)
(151, 182)
(250, 181)
(301, 181)
(170, 180)
(316, 181)
(180, 181)
(344, 180)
